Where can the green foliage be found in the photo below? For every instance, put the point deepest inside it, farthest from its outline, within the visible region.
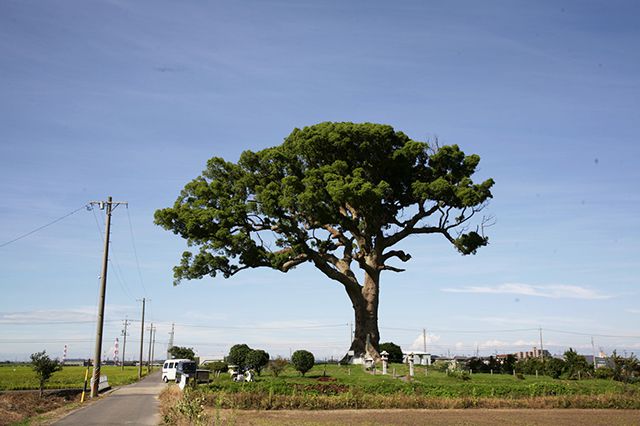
(277, 366)
(625, 369)
(508, 364)
(554, 367)
(530, 366)
(256, 359)
(305, 183)
(482, 365)
(217, 367)
(44, 367)
(576, 366)
(189, 409)
(460, 375)
(341, 390)
(331, 193)
(180, 352)
(440, 366)
(395, 352)
(302, 361)
(603, 373)
(238, 354)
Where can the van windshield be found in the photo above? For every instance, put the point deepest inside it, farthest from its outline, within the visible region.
(187, 367)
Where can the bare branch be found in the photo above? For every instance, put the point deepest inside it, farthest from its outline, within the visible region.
(294, 262)
(409, 226)
(390, 268)
(397, 253)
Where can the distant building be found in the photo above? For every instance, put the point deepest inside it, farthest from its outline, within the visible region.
(601, 361)
(419, 357)
(535, 353)
(206, 359)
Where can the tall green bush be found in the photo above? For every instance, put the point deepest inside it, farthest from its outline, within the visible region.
(395, 352)
(303, 361)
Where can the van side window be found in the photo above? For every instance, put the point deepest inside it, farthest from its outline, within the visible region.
(165, 365)
(170, 365)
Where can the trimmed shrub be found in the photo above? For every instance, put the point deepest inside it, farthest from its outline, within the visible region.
(303, 361)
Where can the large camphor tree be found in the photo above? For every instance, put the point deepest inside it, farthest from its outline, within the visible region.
(342, 196)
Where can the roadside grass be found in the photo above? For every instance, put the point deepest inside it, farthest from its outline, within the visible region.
(346, 387)
(22, 377)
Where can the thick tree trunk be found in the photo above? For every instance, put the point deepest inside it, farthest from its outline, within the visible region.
(366, 339)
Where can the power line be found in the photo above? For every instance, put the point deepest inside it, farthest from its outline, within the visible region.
(513, 330)
(43, 226)
(591, 334)
(252, 327)
(112, 259)
(135, 252)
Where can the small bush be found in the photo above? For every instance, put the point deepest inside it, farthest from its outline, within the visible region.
(603, 373)
(189, 409)
(461, 375)
(303, 361)
(277, 366)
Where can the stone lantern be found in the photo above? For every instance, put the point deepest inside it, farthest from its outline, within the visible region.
(368, 361)
(385, 357)
(410, 359)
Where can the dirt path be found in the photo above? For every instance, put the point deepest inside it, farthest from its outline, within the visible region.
(438, 417)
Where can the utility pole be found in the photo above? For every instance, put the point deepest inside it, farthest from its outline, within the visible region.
(541, 347)
(97, 361)
(424, 340)
(141, 339)
(593, 348)
(124, 342)
(150, 338)
(170, 345)
(153, 346)
(351, 333)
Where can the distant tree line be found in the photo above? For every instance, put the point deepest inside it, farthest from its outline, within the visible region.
(571, 366)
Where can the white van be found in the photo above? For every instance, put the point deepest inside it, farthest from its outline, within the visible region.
(169, 369)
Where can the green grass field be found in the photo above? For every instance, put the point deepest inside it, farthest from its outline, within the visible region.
(16, 377)
(335, 386)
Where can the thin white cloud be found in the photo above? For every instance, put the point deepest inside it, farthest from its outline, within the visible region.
(560, 291)
(79, 315)
(47, 315)
(633, 311)
(418, 343)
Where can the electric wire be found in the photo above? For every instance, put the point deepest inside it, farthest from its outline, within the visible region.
(113, 263)
(42, 227)
(135, 252)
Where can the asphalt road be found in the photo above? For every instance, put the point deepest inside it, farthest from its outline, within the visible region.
(135, 404)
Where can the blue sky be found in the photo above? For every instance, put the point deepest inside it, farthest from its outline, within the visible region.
(130, 99)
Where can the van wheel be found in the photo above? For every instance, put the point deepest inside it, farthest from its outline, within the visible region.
(164, 379)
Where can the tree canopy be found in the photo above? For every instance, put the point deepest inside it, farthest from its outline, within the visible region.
(44, 367)
(338, 195)
(238, 355)
(181, 352)
(394, 351)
